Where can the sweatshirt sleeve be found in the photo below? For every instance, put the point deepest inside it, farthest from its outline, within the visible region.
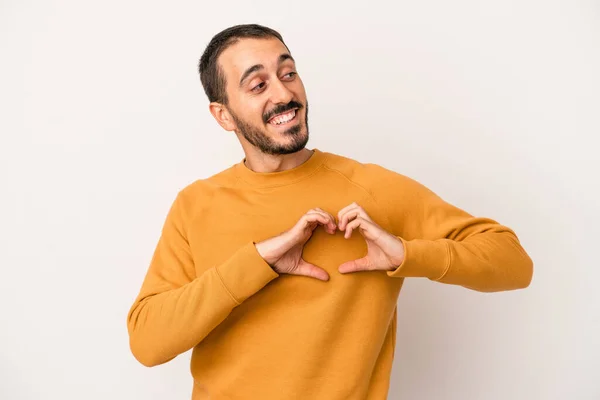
(446, 244)
(176, 309)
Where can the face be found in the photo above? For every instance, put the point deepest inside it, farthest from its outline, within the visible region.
(266, 98)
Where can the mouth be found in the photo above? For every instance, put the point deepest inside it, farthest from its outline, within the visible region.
(284, 119)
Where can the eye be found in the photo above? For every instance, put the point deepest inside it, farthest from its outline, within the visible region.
(258, 87)
(290, 75)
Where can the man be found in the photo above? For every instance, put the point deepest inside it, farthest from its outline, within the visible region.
(283, 271)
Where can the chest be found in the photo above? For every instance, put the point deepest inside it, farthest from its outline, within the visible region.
(233, 218)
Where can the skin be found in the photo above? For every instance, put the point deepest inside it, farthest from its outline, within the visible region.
(276, 84)
(254, 94)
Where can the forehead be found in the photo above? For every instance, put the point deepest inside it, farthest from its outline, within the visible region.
(248, 52)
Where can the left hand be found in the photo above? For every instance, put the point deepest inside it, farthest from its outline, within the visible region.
(385, 252)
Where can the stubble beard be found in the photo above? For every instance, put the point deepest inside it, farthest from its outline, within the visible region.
(260, 139)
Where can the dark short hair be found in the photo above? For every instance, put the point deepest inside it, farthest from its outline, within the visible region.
(211, 74)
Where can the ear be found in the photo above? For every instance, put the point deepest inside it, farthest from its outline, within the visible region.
(222, 115)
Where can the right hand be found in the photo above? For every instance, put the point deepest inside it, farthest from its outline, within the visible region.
(284, 252)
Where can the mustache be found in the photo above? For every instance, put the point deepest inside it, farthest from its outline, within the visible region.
(281, 109)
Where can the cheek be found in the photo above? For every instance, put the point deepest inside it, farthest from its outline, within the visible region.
(257, 115)
(251, 112)
(300, 88)
(254, 110)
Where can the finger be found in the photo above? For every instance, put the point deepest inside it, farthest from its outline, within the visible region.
(331, 226)
(311, 270)
(331, 217)
(326, 213)
(319, 218)
(316, 217)
(344, 210)
(362, 264)
(352, 225)
(367, 228)
(351, 212)
(323, 214)
(347, 217)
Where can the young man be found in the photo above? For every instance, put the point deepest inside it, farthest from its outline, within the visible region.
(283, 271)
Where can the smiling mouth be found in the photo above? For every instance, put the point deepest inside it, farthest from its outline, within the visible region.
(284, 119)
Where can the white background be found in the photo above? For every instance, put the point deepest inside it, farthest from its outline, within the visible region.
(493, 105)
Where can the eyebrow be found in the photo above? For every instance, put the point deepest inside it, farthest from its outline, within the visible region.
(258, 67)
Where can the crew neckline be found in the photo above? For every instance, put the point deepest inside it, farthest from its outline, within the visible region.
(280, 178)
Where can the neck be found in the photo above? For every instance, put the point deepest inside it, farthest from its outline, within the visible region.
(260, 162)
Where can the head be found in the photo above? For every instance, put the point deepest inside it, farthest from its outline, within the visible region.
(254, 89)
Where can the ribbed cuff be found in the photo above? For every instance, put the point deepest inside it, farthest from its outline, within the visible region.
(423, 258)
(245, 273)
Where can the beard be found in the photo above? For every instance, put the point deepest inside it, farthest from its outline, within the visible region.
(260, 139)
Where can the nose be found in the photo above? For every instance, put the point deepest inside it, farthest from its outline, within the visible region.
(280, 94)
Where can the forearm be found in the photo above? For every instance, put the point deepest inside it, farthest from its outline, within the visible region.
(165, 323)
(447, 244)
(487, 262)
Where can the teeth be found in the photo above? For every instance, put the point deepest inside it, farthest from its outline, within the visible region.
(281, 119)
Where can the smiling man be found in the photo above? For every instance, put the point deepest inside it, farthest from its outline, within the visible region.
(282, 272)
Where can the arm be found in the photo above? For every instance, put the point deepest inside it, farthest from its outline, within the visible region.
(446, 244)
(176, 309)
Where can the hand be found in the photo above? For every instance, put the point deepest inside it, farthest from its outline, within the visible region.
(284, 252)
(385, 251)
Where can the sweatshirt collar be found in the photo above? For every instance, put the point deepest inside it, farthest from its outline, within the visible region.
(280, 178)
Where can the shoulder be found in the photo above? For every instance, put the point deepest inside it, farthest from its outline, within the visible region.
(373, 177)
(201, 192)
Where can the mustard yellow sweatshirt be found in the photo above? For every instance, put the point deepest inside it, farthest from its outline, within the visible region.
(257, 334)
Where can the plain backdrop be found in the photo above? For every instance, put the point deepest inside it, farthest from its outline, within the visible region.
(493, 105)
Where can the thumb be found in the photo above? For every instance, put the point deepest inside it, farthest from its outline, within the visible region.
(311, 270)
(362, 264)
